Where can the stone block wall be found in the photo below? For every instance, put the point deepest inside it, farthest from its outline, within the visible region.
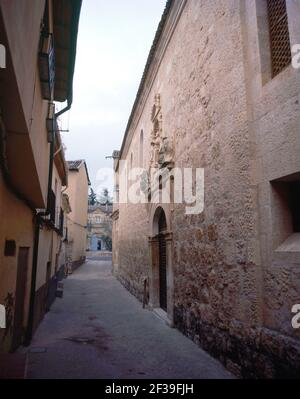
(230, 295)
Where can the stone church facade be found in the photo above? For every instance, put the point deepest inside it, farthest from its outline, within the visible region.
(220, 93)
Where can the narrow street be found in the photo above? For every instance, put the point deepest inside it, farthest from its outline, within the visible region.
(99, 330)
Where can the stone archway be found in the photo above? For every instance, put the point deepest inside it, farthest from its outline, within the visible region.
(161, 285)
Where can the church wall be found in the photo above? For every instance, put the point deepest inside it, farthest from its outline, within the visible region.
(220, 283)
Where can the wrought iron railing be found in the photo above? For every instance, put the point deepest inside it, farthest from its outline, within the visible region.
(47, 65)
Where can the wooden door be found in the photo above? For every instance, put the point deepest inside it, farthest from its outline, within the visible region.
(162, 225)
(21, 284)
(162, 272)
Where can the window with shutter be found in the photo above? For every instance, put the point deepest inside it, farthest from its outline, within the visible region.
(279, 35)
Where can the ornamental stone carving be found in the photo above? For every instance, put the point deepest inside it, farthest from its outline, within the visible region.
(162, 152)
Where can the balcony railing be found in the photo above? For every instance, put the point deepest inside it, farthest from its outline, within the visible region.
(47, 65)
(55, 220)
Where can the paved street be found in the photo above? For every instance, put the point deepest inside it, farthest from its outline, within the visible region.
(99, 330)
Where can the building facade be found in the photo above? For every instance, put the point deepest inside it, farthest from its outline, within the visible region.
(77, 219)
(40, 57)
(219, 93)
(51, 262)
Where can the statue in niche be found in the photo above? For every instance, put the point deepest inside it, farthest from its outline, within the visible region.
(155, 145)
(156, 118)
(161, 146)
(166, 153)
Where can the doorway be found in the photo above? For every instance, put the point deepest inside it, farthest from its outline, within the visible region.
(48, 287)
(162, 247)
(161, 277)
(21, 284)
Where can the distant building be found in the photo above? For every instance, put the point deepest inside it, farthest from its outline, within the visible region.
(77, 219)
(99, 227)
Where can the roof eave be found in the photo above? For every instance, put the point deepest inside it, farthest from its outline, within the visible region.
(66, 21)
(76, 168)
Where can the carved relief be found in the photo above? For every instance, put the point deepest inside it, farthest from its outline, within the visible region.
(161, 146)
(156, 133)
(166, 153)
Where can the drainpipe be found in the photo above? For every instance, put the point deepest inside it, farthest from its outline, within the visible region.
(28, 334)
(51, 162)
(67, 108)
(29, 331)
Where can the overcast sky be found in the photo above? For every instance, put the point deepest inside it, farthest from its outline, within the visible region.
(114, 40)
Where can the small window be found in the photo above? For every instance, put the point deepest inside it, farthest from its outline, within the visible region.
(295, 205)
(279, 35)
(142, 149)
(160, 183)
(285, 209)
(10, 248)
(131, 161)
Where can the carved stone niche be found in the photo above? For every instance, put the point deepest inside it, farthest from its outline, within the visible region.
(166, 153)
(156, 133)
(162, 147)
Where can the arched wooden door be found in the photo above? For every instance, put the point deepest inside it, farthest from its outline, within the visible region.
(162, 225)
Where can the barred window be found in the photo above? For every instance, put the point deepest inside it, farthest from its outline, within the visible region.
(279, 35)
